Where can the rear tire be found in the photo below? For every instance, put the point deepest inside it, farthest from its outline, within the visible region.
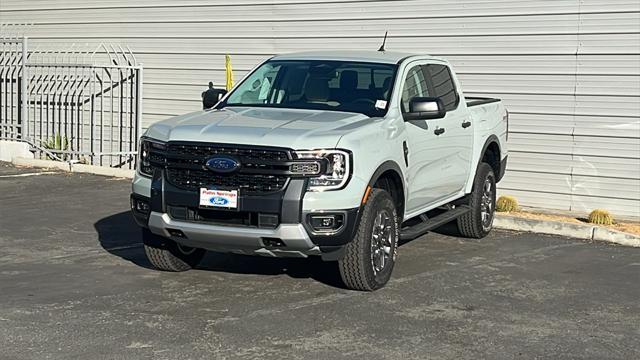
(165, 254)
(478, 222)
(369, 258)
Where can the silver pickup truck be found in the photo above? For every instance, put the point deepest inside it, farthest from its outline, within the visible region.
(335, 154)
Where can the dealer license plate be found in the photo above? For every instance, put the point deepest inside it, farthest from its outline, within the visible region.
(219, 198)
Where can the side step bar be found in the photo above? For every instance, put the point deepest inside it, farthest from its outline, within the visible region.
(412, 232)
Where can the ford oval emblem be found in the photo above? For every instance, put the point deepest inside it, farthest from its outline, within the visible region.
(222, 164)
(220, 201)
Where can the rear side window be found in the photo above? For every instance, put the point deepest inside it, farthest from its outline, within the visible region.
(442, 85)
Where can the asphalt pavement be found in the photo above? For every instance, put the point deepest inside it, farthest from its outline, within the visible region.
(75, 284)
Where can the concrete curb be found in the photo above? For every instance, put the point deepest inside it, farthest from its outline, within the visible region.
(603, 234)
(76, 168)
(579, 231)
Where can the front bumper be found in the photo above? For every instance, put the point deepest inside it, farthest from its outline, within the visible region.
(287, 240)
(292, 237)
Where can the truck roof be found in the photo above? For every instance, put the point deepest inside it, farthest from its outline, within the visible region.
(386, 57)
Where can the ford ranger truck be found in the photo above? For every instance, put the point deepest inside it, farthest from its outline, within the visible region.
(341, 155)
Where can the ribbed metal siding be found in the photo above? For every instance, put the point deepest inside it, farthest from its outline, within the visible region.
(568, 71)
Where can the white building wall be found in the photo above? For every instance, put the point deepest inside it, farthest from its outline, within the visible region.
(567, 70)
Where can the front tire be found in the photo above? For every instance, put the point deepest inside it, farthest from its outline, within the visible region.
(166, 254)
(478, 222)
(370, 256)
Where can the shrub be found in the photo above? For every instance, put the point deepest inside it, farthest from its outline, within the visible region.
(506, 204)
(58, 143)
(600, 217)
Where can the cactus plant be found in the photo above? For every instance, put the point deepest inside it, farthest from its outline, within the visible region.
(600, 217)
(506, 204)
(57, 143)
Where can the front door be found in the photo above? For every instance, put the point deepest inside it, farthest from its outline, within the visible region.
(426, 150)
(439, 149)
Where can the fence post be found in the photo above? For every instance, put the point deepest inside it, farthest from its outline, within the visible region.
(24, 95)
(139, 107)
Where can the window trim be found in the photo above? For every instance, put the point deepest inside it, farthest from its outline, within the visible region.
(410, 64)
(408, 69)
(395, 67)
(455, 88)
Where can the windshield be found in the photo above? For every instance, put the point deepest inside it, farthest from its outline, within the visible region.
(322, 85)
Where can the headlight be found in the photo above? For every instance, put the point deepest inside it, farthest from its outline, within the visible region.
(337, 172)
(147, 154)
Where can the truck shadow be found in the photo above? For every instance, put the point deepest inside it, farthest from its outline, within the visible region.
(120, 236)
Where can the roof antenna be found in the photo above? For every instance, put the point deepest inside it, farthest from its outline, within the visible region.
(383, 42)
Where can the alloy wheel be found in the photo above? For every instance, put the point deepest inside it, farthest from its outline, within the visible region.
(486, 204)
(381, 241)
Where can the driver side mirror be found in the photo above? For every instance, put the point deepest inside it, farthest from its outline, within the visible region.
(425, 108)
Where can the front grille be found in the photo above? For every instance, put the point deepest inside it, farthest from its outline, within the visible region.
(246, 183)
(205, 151)
(263, 170)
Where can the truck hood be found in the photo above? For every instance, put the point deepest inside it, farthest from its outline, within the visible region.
(293, 128)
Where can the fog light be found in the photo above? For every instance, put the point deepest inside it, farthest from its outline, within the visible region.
(326, 222)
(140, 206)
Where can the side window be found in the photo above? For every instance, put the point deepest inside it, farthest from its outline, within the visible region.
(443, 86)
(415, 84)
(257, 89)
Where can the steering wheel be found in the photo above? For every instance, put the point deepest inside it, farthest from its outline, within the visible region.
(364, 100)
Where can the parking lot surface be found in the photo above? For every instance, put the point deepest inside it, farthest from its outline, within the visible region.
(75, 284)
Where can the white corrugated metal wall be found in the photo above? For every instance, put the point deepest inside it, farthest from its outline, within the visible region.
(568, 70)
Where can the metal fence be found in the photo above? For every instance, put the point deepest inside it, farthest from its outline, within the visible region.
(72, 104)
(11, 66)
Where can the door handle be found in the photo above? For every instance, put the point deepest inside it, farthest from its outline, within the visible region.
(466, 124)
(438, 131)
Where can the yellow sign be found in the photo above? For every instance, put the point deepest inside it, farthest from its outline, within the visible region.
(228, 71)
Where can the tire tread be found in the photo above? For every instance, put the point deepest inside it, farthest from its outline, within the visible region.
(356, 262)
(164, 255)
(470, 224)
(163, 259)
